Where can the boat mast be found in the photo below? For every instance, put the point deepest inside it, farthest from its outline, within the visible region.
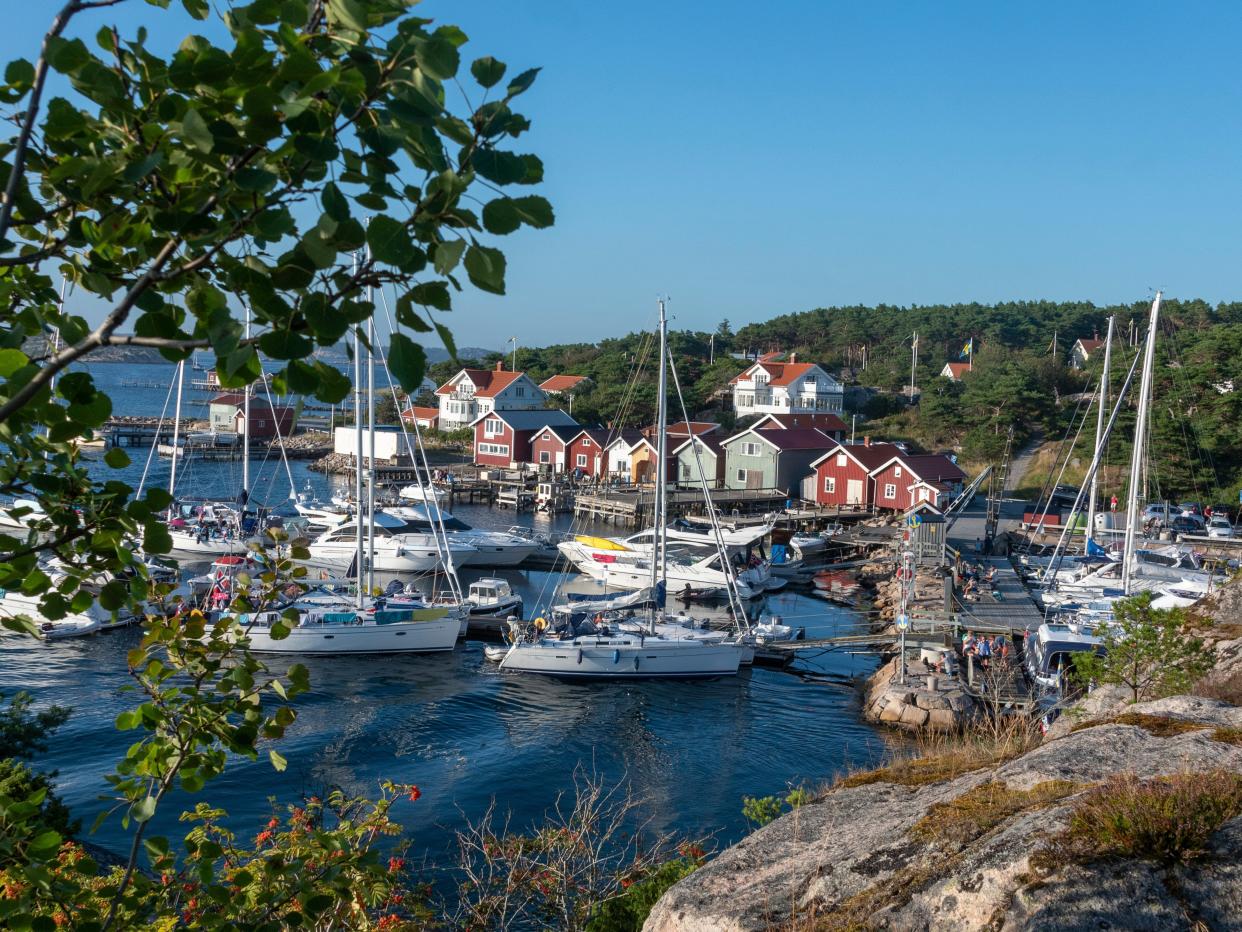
(1140, 442)
(359, 556)
(245, 496)
(371, 446)
(659, 571)
(172, 478)
(1099, 431)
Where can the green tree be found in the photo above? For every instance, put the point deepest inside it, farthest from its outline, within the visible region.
(1151, 652)
(23, 735)
(326, 148)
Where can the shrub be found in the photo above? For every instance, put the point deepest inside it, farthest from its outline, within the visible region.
(628, 912)
(760, 810)
(1164, 819)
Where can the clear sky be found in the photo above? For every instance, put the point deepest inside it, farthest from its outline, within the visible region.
(756, 159)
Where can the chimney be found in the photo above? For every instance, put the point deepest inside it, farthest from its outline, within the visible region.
(793, 357)
(866, 441)
(500, 365)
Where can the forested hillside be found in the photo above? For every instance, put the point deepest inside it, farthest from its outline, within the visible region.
(1016, 378)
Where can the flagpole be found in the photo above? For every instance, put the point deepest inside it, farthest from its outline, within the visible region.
(970, 355)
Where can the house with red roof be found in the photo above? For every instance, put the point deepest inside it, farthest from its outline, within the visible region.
(564, 384)
(226, 413)
(425, 418)
(550, 445)
(842, 476)
(906, 480)
(772, 459)
(585, 451)
(953, 371)
(771, 387)
(472, 393)
(506, 438)
(617, 451)
(823, 422)
(1080, 352)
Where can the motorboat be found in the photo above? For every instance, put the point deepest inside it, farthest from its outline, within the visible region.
(770, 628)
(30, 514)
(397, 550)
(693, 566)
(321, 515)
(1181, 594)
(423, 494)
(493, 598)
(74, 624)
(485, 548)
(1049, 650)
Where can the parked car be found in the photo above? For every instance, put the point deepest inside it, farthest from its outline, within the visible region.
(1219, 527)
(1220, 511)
(1191, 508)
(1159, 513)
(1186, 524)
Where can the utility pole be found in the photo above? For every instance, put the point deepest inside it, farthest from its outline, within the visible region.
(853, 427)
(914, 362)
(711, 359)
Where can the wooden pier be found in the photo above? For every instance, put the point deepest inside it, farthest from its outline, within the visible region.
(633, 507)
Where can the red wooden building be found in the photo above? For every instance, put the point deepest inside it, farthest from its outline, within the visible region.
(843, 475)
(550, 444)
(505, 438)
(904, 481)
(586, 452)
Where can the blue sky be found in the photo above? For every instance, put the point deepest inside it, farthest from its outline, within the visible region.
(756, 159)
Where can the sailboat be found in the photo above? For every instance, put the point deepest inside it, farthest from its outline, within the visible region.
(581, 644)
(326, 623)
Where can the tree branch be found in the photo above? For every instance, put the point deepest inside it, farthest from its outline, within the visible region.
(32, 111)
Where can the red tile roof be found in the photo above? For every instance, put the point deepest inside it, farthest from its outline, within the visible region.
(422, 414)
(562, 383)
(779, 373)
(1090, 346)
(487, 382)
(819, 420)
(958, 368)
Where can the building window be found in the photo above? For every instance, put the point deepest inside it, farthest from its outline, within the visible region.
(840, 459)
(492, 427)
(546, 436)
(741, 475)
(493, 449)
(750, 449)
(890, 490)
(586, 441)
(809, 381)
(582, 460)
(896, 472)
(830, 484)
(545, 456)
(685, 472)
(519, 391)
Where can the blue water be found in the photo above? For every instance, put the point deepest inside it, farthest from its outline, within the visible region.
(456, 727)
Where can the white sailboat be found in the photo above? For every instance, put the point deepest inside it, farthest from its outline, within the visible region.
(581, 645)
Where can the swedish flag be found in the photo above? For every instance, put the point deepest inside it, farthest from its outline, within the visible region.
(967, 348)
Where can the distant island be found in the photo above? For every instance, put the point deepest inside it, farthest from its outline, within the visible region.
(333, 354)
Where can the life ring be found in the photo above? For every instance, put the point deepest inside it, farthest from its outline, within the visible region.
(540, 623)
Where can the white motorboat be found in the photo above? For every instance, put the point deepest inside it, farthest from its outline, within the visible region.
(479, 547)
(493, 598)
(692, 565)
(30, 512)
(396, 551)
(75, 624)
(423, 494)
(1181, 594)
(770, 628)
(321, 515)
(1048, 651)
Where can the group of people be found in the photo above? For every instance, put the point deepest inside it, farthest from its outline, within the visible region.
(988, 649)
(973, 577)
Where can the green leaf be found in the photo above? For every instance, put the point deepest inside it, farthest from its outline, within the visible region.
(45, 844)
(143, 809)
(501, 216)
(117, 458)
(155, 538)
(349, 13)
(19, 74)
(333, 385)
(10, 361)
(195, 132)
(522, 82)
(277, 760)
(407, 361)
(535, 211)
(67, 55)
(487, 70)
(285, 344)
(448, 254)
(438, 58)
(446, 336)
(432, 294)
(390, 241)
(334, 203)
(486, 268)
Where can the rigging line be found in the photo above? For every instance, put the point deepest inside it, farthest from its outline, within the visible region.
(439, 533)
(1045, 490)
(1069, 452)
(155, 441)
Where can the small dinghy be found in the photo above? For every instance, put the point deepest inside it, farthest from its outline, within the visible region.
(496, 652)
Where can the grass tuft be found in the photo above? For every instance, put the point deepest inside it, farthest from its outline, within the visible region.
(1162, 726)
(1226, 688)
(1164, 819)
(978, 811)
(1227, 735)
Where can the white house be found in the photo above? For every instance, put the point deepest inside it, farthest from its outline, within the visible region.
(1080, 352)
(618, 452)
(472, 393)
(953, 371)
(770, 387)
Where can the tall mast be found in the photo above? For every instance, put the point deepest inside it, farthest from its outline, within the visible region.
(1140, 442)
(658, 569)
(1099, 432)
(246, 428)
(172, 478)
(914, 362)
(371, 447)
(359, 556)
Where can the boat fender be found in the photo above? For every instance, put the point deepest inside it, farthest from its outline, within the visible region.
(540, 623)
(616, 656)
(635, 663)
(579, 656)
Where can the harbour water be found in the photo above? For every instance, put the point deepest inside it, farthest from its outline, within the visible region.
(456, 727)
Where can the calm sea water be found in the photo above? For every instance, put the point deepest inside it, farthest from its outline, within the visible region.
(456, 727)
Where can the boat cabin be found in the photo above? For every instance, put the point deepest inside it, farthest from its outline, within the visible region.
(1049, 651)
(490, 591)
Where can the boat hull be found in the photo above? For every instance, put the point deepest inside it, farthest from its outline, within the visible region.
(624, 658)
(397, 638)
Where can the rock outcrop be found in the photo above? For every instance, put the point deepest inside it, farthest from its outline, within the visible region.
(925, 701)
(882, 854)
